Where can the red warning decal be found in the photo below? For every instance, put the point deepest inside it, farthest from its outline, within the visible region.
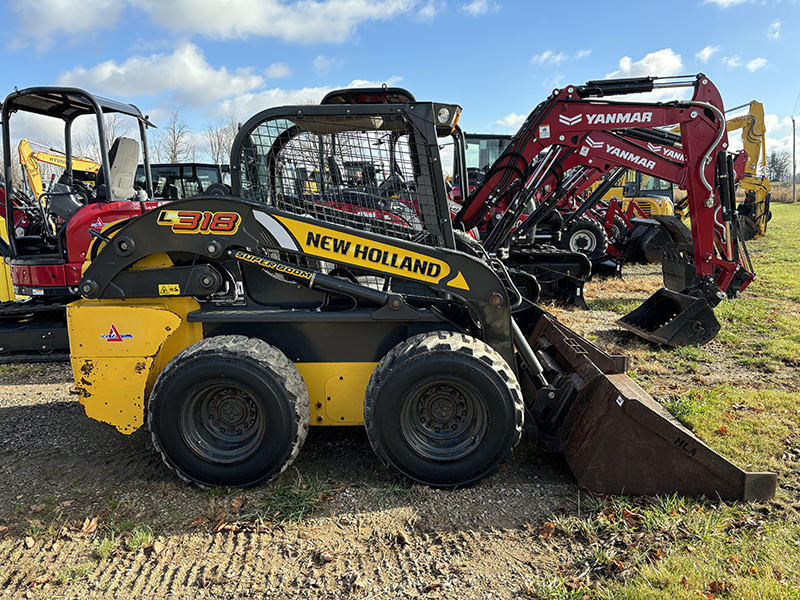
(114, 335)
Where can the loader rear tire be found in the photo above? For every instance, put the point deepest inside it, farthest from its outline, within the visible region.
(229, 411)
(443, 409)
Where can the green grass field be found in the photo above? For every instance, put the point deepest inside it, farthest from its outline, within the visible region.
(678, 548)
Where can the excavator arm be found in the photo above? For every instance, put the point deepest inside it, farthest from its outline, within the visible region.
(30, 159)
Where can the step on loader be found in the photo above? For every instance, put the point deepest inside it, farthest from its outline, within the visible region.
(230, 324)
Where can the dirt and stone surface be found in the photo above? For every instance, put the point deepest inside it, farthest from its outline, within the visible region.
(75, 493)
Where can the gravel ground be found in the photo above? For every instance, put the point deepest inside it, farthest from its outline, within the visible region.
(68, 483)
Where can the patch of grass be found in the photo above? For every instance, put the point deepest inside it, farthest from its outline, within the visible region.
(106, 546)
(292, 501)
(218, 492)
(686, 407)
(621, 306)
(13, 372)
(141, 537)
(74, 573)
(675, 547)
(127, 525)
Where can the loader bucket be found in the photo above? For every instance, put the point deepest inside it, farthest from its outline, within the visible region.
(646, 241)
(615, 437)
(673, 319)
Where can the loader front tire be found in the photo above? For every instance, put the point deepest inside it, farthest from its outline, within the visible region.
(584, 235)
(229, 411)
(443, 409)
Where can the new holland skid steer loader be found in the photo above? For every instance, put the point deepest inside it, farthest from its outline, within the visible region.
(229, 325)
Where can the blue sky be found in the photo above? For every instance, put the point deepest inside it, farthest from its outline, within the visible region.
(496, 58)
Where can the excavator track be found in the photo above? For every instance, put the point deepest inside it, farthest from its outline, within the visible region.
(34, 330)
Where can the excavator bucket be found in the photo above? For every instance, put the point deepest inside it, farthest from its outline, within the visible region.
(615, 437)
(673, 319)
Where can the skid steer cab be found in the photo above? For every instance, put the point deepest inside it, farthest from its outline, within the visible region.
(230, 324)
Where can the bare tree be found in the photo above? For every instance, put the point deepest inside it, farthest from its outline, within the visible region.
(219, 137)
(779, 165)
(176, 142)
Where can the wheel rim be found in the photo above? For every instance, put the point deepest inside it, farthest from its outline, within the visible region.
(582, 241)
(222, 423)
(444, 420)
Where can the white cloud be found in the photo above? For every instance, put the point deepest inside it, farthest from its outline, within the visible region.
(511, 121)
(774, 30)
(39, 20)
(277, 71)
(428, 12)
(480, 7)
(245, 106)
(724, 3)
(662, 63)
(323, 64)
(303, 21)
(732, 61)
(185, 72)
(391, 82)
(772, 122)
(706, 53)
(756, 64)
(550, 57)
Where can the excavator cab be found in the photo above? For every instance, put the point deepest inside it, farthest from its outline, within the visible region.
(49, 233)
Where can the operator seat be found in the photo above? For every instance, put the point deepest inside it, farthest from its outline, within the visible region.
(123, 158)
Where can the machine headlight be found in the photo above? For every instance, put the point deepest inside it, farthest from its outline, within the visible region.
(444, 115)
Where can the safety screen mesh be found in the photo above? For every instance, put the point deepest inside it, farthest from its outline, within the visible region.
(371, 173)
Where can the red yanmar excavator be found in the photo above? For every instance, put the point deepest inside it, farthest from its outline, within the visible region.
(229, 324)
(47, 239)
(570, 127)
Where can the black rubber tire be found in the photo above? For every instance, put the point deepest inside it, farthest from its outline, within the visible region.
(245, 381)
(618, 230)
(217, 189)
(584, 235)
(424, 381)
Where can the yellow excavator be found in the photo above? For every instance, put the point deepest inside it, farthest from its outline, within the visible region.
(82, 168)
(754, 212)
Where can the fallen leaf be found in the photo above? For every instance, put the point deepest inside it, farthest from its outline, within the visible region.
(219, 526)
(433, 586)
(36, 508)
(29, 542)
(722, 431)
(66, 504)
(685, 581)
(753, 570)
(89, 527)
(326, 556)
(158, 547)
(689, 549)
(547, 529)
(197, 521)
(237, 504)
